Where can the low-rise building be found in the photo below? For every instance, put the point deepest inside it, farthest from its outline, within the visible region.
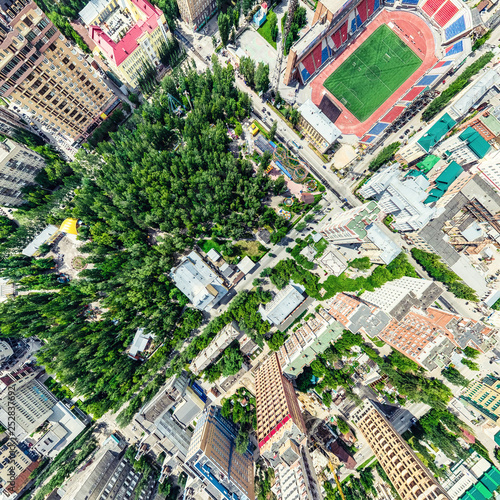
(484, 396)
(466, 148)
(200, 283)
(305, 343)
(284, 303)
(141, 343)
(19, 166)
(5, 350)
(216, 347)
(318, 129)
(16, 468)
(129, 33)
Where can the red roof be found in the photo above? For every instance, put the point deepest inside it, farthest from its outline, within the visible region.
(119, 51)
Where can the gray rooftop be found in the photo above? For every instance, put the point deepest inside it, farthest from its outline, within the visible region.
(371, 323)
(283, 304)
(39, 240)
(390, 250)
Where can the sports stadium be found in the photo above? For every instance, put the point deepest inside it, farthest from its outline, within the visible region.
(366, 61)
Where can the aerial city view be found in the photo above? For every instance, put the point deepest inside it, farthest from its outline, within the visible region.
(249, 250)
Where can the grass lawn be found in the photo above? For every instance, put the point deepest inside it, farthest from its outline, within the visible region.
(265, 32)
(207, 245)
(320, 247)
(264, 132)
(374, 71)
(253, 249)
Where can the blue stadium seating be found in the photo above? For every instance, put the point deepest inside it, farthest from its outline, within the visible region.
(376, 5)
(410, 2)
(378, 128)
(358, 20)
(427, 80)
(325, 54)
(455, 28)
(353, 25)
(457, 48)
(305, 75)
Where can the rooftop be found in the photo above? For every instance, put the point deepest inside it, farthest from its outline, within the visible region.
(306, 42)
(436, 132)
(444, 181)
(477, 144)
(491, 122)
(428, 163)
(319, 121)
(390, 250)
(283, 304)
(119, 50)
(39, 240)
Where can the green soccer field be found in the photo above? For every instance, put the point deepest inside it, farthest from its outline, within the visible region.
(372, 72)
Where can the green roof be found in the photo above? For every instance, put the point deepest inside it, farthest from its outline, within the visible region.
(494, 474)
(489, 483)
(484, 491)
(437, 131)
(428, 163)
(477, 144)
(491, 122)
(364, 218)
(449, 175)
(415, 173)
(497, 438)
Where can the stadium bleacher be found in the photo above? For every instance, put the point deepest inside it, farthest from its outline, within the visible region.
(455, 28)
(336, 39)
(431, 6)
(362, 8)
(343, 32)
(455, 48)
(370, 7)
(427, 80)
(325, 51)
(410, 2)
(446, 13)
(378, 128)
(376, 4)
(304, 73)
(316, 56)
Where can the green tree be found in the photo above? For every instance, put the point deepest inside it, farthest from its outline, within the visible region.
(238, 130)
(470, 364)
(294, 116)
(224, 22)
(471, 353)
(276, 341)
(454, 376)
(272, 130)
(342, 426)
(241, 443)
(361, 263)
(384, 156)
(262, 77)
(247, 69)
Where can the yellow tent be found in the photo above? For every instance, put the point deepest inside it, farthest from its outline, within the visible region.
(69, 226)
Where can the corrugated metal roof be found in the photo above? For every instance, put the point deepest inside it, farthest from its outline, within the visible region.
(477, 144)
(436, 132)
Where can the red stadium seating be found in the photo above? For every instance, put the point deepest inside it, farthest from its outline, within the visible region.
(362, 10)
(336, 39)
(343, 32)
(431, 6)
(309, 64)
(445, 13)
(316, 54)
(370, 6)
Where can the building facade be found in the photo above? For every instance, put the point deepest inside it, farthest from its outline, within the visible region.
(412, 480)
(212, 458)
(10, 122)
(196, 12)
(19, 166)
(14, 475)
(318, 129)
(45, 77)
(129, 33)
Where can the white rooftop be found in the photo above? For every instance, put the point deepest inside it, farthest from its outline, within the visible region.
(390, 250)
(213, 255)
(198, 282)
(283, 304)
(319, 121)
(92, 10)
(140, 342)
(246, 264)
(39, 240)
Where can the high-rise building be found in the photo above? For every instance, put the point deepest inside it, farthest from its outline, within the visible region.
(129, 33)
(281, 432)
(45, 77)
(196, 12)
(484, 396)
(409, 476)
(213, 459)
(278, 411)
(19, 166)
(10, 122)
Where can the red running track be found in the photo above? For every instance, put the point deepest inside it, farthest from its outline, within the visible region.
(415, 32)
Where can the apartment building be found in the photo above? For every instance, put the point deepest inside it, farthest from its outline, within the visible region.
(213, 460)
(16, 468)
(10, 122)
(486, 124)
(196, 13)
(484, 396)
(129, 33)
(19, 166)
(412, 480)
(45, 77)
(295, 478)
